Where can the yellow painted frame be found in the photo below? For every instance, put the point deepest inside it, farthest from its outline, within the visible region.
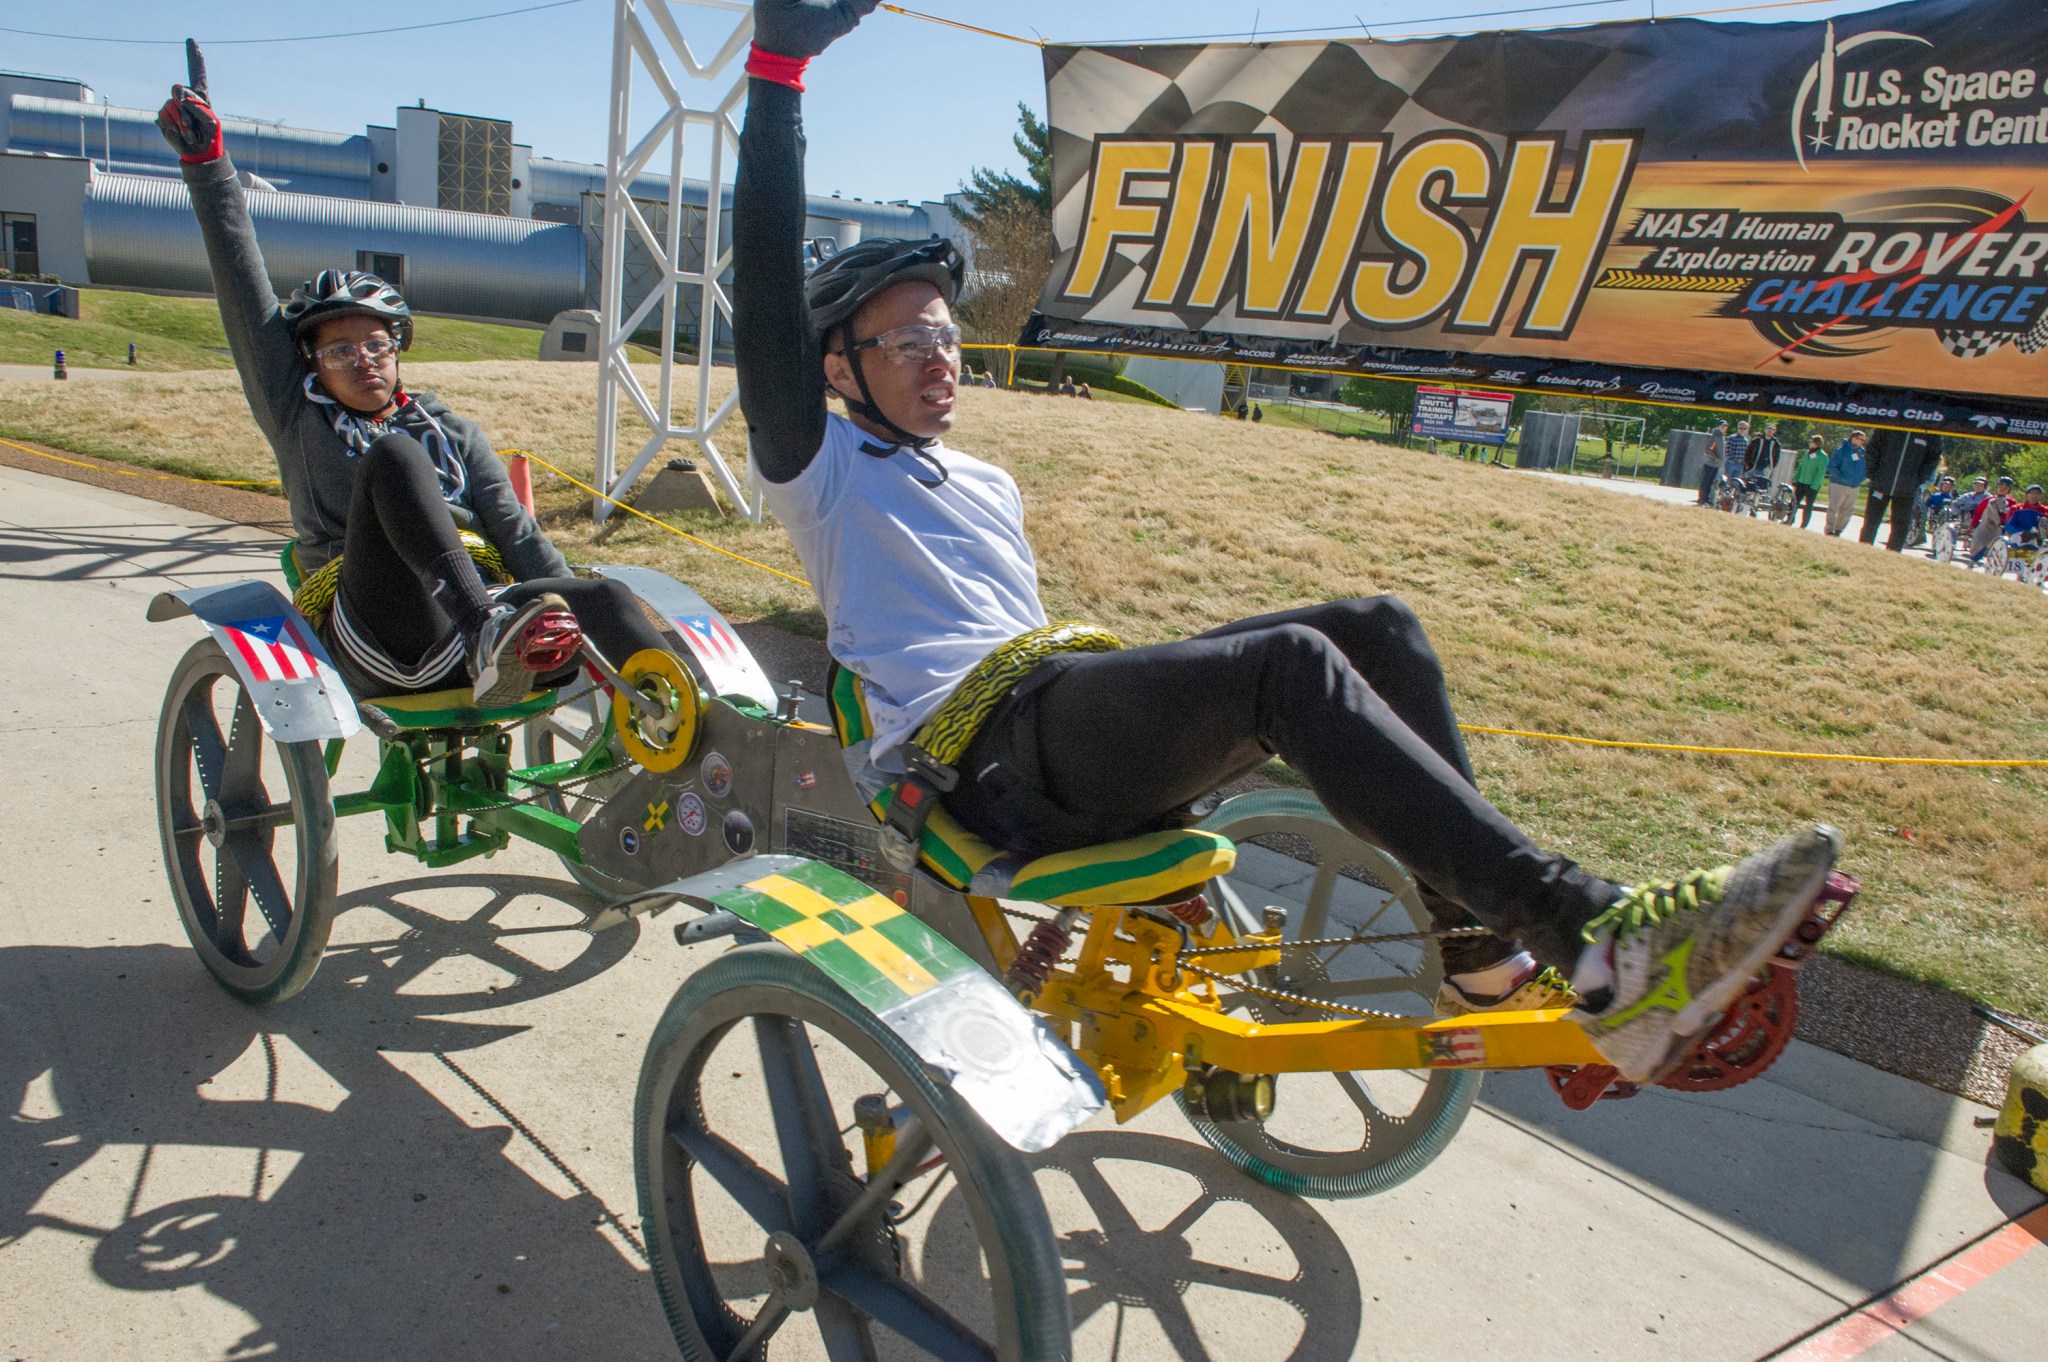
(1139, 1020)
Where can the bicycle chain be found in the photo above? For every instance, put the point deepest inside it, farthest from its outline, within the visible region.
(1183, 960)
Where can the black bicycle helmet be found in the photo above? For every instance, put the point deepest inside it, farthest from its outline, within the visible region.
(346, 293)
(839, 287)
(844, 284)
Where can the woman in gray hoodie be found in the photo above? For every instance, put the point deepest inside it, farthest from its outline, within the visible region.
(395, 499)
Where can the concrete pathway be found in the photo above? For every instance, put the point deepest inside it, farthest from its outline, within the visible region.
(426, 1155)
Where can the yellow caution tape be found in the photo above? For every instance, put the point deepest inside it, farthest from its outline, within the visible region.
(139, 473)
(1750, 751)
(683, 534)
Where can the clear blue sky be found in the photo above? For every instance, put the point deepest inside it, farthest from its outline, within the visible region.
(900, 109)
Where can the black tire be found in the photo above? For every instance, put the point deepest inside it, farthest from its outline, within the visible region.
(564, 732)
(233, 818)
(1403, 1120)
(801, 1018)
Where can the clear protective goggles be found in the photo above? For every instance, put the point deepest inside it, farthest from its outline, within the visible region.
(915, 344)
(342, 354)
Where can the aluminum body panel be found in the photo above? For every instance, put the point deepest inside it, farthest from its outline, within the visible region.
(299, 697)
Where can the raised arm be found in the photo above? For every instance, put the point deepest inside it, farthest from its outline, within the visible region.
(264, 354)
(775, 348)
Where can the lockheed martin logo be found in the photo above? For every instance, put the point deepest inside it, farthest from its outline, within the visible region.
(1826, 88)
(1982, 422)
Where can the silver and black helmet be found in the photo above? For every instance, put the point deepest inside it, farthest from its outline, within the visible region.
(346, 293)
(842, 285)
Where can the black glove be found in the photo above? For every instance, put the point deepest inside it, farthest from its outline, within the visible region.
(190, 125)
(804, 28)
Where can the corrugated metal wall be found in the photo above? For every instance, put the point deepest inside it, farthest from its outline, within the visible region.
(340, 165)
(140, 232)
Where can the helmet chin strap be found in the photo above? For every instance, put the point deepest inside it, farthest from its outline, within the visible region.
(867, 406)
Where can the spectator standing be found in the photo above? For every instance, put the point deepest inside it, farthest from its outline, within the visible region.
(1766, 455)
(1807, 476)
(1847, 471)
(1899, 462)
(1710, 462)
(1989, 517)
(1735, 455)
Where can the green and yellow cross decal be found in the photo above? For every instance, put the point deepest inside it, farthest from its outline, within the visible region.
(657, 816)
(863, 942)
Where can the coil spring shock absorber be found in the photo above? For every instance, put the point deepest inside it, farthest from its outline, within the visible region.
(1033, 964)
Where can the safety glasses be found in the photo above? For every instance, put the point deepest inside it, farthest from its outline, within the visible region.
(915, 344)
(342, 354)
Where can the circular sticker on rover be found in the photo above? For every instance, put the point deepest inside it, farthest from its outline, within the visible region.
(691, 816)
(717, 773)
(629, 841)
(982, 1040)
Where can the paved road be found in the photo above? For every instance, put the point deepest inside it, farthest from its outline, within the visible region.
(425, 1156)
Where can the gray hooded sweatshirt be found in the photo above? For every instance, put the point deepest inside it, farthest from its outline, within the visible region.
(315, 462)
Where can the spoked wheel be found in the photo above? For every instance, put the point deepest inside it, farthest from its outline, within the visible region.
(1342, 1134)
(561, 734)
(246, 824)
(760, 1224)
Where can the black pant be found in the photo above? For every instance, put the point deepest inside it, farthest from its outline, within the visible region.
(399, 538)
(1708, 473)
(1350, 694)
(1875, 504)
(1802, 501)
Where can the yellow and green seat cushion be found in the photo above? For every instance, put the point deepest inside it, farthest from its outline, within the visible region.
(1134, 870)
(454, 708)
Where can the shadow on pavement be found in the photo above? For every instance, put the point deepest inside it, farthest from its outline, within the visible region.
(111, 552)
(287, 1162)
(1844, 1193)
(1172, 1252)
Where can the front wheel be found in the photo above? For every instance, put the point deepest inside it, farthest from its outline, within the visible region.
(1339, 1134)
(761, 1223)
(224, 794)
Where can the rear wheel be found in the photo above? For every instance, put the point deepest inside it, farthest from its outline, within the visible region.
(760, 1222)
(1341, 1134)
(245, 823)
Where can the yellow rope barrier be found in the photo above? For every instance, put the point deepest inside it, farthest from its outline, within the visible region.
(955, 23)
(1751, 751)
(684, 534)
(137, 472)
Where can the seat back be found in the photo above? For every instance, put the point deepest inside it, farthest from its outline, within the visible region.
(1140, 869)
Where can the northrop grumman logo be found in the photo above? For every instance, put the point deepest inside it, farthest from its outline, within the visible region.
(1847, 106)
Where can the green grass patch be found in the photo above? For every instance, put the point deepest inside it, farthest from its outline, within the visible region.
(185, 333)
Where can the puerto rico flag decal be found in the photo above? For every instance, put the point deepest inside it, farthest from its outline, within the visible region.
(273, 648)
(711, 639)
(1456, 1048)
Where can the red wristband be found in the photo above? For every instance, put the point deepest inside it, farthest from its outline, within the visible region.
(778, 68)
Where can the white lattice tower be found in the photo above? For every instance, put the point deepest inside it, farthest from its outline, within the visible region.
(646, 39)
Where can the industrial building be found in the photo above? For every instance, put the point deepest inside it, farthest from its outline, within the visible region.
(466, 220)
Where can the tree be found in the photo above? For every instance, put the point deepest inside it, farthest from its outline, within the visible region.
(1010, 223)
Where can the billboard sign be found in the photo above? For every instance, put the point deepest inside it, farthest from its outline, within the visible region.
(1462, 414)
(1744, 207)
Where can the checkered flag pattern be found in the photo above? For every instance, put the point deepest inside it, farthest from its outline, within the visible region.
(1972, 344)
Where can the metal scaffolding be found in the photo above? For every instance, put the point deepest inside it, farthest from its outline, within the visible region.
(647, 40)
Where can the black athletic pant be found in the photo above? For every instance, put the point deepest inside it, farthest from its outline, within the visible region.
(400, 534)
(1802, 502)
(1350, 694)
(1900, 504)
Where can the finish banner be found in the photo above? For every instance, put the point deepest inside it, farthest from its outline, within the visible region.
(1757, 211)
